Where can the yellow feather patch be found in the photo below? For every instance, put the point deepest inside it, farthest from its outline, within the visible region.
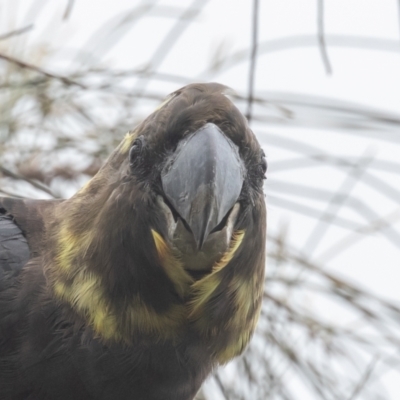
(244, 292)
(235, 348)
(247, 294)
(146, 320)
(61, 290)
(67, 243)
(84, 188)
(69, 246)
(204, 288)
(84, 291)
(127, 142)
(172, 266)
(87, 296)
(166, 101)
(236, 241)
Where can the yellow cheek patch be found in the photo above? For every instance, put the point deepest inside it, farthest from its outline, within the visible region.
(236, 241)
(248, 296)
(144, 319)
(244, 319)
(61, 290)
(247, 293)
(244, 300)
(244, 292)
(172, 266)
(203, 291)
(69, 246)
(235, 348)
(204, 288)
(85, 292)
(86, 295)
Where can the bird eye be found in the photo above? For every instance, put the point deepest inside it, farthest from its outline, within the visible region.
(263, 164)
(136, 150)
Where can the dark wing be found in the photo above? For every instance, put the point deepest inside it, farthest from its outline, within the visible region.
(21, 230)
(14, 250)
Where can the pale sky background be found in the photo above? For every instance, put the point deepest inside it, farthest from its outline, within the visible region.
(370, 78)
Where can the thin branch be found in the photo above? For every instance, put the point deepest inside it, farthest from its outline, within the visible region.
(221, 386)
(361, 384)
(200, 395)
(353, 115)
(253, 60)
(23, 64)
(16, 32)
(301, 41)
(68, 10)
(341, 245)
(337, 201)
(11, 194)
(32, 182)
(164, 48)
(110, 32)
(398, 12)
(321, 37)
(182, 23)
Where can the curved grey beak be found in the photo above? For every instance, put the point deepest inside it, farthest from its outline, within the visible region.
(203, 180)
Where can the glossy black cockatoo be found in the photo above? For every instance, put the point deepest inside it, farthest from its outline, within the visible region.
(150, 275)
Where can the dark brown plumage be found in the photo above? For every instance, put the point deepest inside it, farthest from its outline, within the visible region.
(150, 275)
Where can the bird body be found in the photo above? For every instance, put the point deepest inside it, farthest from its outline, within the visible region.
(150, 275)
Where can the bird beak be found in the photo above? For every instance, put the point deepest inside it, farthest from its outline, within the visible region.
(203, 179)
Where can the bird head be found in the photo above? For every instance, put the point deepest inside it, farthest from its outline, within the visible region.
(172, 222)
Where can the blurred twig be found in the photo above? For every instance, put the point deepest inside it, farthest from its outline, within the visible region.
(23, 64)
(375, 226)
(398, 13)
(35, 184)
(253, 60)
(364, 379)
(55, 135)
(16, 32)
(68, 9)
(221, 386)
(321, 37)
(333, 205)
(181, 24)
(301, 41)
